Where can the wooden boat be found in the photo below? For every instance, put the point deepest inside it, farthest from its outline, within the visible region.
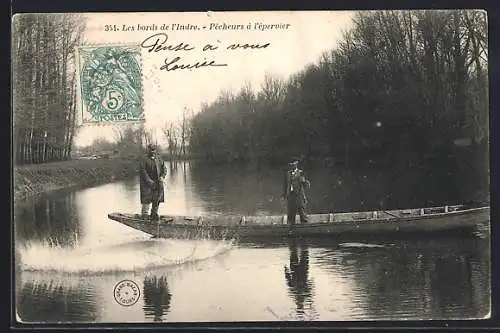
(433, 219)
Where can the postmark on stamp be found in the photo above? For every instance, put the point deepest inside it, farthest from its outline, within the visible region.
(111, 84)
(126, 293)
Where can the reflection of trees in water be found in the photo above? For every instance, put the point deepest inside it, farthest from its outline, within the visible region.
(339, 189)
(50, 219)
(130, 188)
(461, 278)
(55, 302)
(156, 297)
(297, 276)
(189, 193)
(173, 169)
(232, 188)
(422, 279)
(177, 169)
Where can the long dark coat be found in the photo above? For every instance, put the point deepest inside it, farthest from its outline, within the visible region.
(150, 173)
(299, 182)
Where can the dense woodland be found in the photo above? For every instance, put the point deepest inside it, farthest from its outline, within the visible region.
(400, 87)
(44, 90)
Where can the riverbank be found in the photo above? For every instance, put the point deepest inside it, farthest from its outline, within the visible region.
(36, 179)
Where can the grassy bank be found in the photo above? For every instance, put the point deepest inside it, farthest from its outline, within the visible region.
(36, 179)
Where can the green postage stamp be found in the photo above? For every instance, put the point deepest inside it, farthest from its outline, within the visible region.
(111, 84)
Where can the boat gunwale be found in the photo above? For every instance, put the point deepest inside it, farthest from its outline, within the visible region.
(119, 217)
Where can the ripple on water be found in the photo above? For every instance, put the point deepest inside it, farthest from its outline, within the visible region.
(135, 255)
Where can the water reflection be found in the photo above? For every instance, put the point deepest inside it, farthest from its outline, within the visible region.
(129, 190)
(157, 297)
(234, 189)
(51, 220)
(297, 278)
(44, 300)
(418, 279)
(414, 278)
(173, 168)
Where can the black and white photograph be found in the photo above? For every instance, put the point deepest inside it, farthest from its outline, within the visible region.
(250, 166)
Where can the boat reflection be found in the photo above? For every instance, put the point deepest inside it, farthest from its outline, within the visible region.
(300, 286)
(157, 297)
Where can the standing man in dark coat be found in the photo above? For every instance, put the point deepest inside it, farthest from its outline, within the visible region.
(152, 173)
(294, 192)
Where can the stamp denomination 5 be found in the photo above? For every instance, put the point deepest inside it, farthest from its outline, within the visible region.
(111, 84)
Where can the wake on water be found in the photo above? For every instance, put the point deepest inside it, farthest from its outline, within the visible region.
(131, 255)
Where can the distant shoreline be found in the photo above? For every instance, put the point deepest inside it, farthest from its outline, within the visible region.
(37, 179)
(34, 180)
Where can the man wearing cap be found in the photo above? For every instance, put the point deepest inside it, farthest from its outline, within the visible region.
(294, 192)
(152, 172)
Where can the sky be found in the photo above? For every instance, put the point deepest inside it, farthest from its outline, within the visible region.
(298, 40)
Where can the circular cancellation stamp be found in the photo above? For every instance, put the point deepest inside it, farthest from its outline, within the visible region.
(126, 293)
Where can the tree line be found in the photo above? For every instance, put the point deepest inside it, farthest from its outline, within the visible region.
(44, 85)
(177, 135)
(399, 84)
(131, 140)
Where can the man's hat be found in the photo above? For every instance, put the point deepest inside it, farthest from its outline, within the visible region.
(294, 161)
(151, 146)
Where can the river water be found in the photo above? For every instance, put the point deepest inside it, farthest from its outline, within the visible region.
(70, 257)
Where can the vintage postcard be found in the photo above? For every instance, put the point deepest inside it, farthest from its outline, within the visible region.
(251, 166)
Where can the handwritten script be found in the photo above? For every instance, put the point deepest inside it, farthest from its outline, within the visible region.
(160, 43)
